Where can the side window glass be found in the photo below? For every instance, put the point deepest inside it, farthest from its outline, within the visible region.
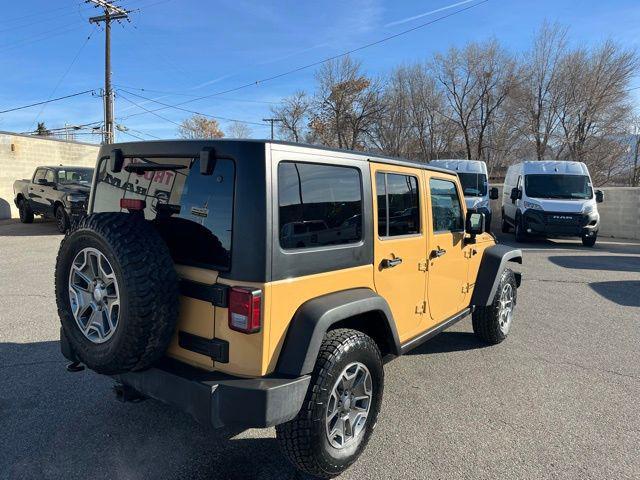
(39, 174)
(445, 206)
(398, 205)
(319, 205)
(50, 176)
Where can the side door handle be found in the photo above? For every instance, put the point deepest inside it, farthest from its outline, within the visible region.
(390, 262)
(438, 253)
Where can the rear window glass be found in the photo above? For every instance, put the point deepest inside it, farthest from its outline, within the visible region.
(319, 205)
(192, 212)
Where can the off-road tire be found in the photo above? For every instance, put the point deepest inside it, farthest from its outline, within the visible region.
(485, 320)
(26, 214)
(303, 440)
(519, 232)
(589, 241)
(148, 289)
(62, 219)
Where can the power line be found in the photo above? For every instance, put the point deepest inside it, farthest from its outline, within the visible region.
(193, 95)
(320, 62)
(146, 110)
(226, 119)
(47, 101)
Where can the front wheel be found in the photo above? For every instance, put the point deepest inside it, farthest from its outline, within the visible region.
(492, 323)
(590, 240)
(62, 220)
(341, 407)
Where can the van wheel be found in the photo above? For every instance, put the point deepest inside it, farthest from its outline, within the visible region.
(589, 241)
(117, 292)
(520, 234)
(505, 225)
(26, 214)
(493, 322)
(341, 407)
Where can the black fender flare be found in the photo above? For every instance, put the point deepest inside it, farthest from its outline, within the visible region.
(314, 317)
(494, 261)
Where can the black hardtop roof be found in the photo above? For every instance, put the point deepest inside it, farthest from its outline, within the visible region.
(180, 146)
(58, 167)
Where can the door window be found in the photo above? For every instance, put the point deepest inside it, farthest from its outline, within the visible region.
(398, 205)
(445, 206)
(50, 176)
(39, 174)
(319, 205)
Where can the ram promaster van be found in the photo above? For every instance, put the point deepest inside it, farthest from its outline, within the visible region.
(475, 186)
(551, 199)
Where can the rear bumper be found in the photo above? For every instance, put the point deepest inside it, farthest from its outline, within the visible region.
(219, 399)
(558, 224)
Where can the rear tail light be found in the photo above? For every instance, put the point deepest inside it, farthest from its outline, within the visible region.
(132, 204)
(245, 305)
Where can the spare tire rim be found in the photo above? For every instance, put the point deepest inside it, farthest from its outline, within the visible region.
(348, 405)
(94, 295)
(505, 313)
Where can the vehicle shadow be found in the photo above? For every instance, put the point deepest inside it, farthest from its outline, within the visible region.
(446, 342)
(14, 228)
(622, 292)
(69, 425)
(619, 263)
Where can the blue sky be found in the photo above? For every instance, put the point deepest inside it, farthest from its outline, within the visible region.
(178, 49)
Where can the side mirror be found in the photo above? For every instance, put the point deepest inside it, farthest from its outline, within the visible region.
(516, 194)
(42, 181)
(116, 160)
(493, 193)
(207, 161)
(475, 223)
(599, 196)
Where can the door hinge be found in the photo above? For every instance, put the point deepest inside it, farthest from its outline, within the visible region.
(423, 266)
(421, 308)
(466, 288)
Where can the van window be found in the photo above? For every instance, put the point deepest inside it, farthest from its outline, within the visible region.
(445, 206)
(558, 186)
(319, 205)
(198, 227)
(398, 205)
(473, 184)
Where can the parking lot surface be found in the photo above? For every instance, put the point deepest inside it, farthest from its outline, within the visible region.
(560, 398)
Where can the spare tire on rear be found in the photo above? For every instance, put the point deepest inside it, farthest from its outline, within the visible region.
(117, 292)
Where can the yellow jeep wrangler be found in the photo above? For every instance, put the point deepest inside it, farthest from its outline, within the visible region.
(257, 283)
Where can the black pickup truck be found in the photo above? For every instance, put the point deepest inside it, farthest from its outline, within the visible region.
(54, 192)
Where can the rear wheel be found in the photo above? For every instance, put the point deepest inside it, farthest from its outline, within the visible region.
(341, 407)
(492, 322)
(589, 240)
(26, 214)
(62, 219)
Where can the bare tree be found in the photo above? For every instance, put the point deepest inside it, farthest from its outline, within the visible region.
(294, 117)
(346, 105)
(239, 130)
(538, 94)
(199, 126)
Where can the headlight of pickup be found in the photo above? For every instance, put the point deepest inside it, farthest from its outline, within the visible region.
(532, 206)
(73, 198)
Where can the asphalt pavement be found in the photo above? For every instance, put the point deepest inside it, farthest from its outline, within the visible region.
(559, 399)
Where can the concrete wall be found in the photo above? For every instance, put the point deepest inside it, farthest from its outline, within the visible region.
(21, 154)
(619, 213)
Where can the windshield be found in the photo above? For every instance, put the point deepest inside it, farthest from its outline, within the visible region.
(81, 176)
(473, 184)
(558, 186)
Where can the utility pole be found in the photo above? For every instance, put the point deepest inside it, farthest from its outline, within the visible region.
(272, 121)
(111, 12)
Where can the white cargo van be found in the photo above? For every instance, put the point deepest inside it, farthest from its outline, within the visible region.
(551, 199)
(475, 185)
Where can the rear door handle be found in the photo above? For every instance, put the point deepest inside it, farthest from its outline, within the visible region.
(438, 253)
(391, 262)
